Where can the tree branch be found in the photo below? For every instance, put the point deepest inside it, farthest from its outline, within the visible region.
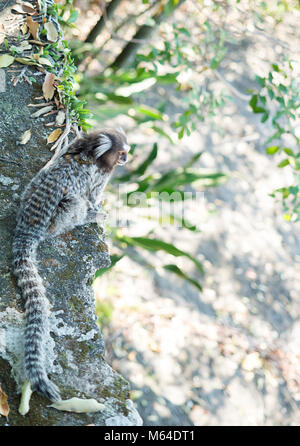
(144, 33)
(106, 15)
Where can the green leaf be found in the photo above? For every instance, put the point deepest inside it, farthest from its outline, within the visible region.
(174, 269)
(214, 63)
(275, 68)
(263, 99)
(261, 81)
(271, 93)
(253, 101)
(119, 99)
(260, 110)
(162, 133)
(184, 31)
(280, 100)
(192, 160)
(273, 149)
(159, 245)
(181, 133)
(113, 259)
(294, 190)
(109, 112)
(264, 117)
(283, 163)
(85, 126)
(179, 177)
(84, 113)
(168, 78)
(283, 88)
(253, 104)
(288, 151)
(73, 16)
(150, 112)
(182, 222)
(284, 191)
(150, 158)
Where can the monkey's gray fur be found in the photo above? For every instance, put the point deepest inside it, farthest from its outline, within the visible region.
(64, 194)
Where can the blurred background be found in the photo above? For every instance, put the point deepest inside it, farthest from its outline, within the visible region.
(200, 309)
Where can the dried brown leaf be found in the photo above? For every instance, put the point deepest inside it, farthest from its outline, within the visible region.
(18, 8)
(57, 103)
(25, 60)
(24, 8)
(54, 135)
(60, 118)
(48, 86)
(4, 407)
(78, 405)
(45, 61)
(6, 60)
(43, 104)
(33, 27)
(42, 111)
(28, 4)
(24, 28)
(25, 137)
(37, 42)
(52, 34)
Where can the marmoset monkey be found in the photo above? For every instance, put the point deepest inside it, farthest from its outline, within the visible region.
(64, 194)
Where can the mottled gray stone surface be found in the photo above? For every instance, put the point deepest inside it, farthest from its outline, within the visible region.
(67, 264)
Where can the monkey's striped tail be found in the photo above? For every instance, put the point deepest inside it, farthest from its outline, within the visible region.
(36, 313)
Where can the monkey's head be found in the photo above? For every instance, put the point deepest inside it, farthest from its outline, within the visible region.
(106, 148)
(111, 148)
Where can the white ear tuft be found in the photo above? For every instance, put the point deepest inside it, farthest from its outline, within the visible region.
(121, 130)
(105, 144)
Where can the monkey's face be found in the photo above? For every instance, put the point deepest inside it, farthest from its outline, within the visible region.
(112, 149)
(123, 155)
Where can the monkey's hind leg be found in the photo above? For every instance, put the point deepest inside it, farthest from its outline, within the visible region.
(74, 212)
(69, 213)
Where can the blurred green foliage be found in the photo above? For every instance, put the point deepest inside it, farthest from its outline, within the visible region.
(185, 61)
(278, 100)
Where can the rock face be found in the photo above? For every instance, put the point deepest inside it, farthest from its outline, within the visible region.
(67, 264)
